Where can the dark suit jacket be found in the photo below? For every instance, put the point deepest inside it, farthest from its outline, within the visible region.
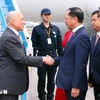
(94, 61)
(72, 66)
(13, 64)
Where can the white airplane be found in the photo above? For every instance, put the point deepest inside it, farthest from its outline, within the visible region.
(31, 10)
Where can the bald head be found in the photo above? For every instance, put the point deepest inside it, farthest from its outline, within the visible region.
(11, 15)
(15, 20)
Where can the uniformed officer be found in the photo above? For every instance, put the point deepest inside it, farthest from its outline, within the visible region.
(46, 40)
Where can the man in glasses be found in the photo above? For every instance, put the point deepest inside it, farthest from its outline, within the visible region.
(72, 75)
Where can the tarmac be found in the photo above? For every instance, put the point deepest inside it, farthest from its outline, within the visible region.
(31, 94)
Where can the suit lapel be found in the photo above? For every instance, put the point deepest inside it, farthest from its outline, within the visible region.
(72, 37)
(98, 42)
(96, 47)
(11, 32)
(93, 44)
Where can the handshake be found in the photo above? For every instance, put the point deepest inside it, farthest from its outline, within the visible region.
(48, 60)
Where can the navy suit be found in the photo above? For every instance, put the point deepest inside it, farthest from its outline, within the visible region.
(73, 62)
(94, 71)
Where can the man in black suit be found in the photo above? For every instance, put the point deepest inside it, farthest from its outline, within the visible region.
(94, 71)
(14, 79)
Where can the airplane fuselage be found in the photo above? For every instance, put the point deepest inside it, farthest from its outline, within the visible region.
(31, 10)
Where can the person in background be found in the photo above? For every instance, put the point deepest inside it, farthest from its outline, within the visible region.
(46, 40)
(94, 66)
(72, 75)
(14, 79)
(66, 38)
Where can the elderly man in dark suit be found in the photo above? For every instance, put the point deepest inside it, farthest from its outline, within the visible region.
(94, 71)
(13, 60)
(72, 75)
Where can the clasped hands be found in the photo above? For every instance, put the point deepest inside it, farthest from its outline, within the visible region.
(48, 60)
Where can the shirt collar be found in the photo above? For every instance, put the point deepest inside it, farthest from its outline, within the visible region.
(14, 31)
(74, 30)
(98, 33)
(44, 26)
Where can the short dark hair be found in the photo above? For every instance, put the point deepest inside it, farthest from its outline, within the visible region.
(96, 12)
(77, 12)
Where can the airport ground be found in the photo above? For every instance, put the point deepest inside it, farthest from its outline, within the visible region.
(32, 92)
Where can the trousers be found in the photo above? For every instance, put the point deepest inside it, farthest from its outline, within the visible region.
(96, 91)
(42, 72)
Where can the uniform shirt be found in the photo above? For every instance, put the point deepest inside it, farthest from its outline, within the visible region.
(39, 39)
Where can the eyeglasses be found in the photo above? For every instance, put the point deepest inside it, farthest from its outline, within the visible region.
(66, 18)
